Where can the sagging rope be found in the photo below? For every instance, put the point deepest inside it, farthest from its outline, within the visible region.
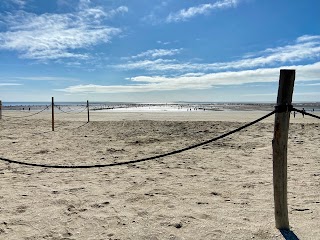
(28, 115)
(74, 128)
(142, 159)
(72, 111)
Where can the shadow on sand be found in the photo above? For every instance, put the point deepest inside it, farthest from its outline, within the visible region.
(289, 235)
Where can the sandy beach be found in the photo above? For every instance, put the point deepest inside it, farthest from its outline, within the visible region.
(222, 190)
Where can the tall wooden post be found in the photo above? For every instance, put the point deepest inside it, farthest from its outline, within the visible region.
(0, 109)
(52, 109)
(88, 111)
(279, 144)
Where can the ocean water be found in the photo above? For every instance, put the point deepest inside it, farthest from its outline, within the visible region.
(178, 106)
(26, 104)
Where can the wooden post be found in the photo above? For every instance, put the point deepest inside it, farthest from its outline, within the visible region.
(88, 111)
(0, 109)
(279, 145)
(52, 109)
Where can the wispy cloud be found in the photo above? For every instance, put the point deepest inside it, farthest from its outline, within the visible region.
(307, 38)
(309, 72)
(186, 14)
(300, 50)
(156, 53)
(45, 78)
(19, 3)
(54, 36)
(9, 84)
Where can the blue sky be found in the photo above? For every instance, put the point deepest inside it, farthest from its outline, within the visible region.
(157, 50)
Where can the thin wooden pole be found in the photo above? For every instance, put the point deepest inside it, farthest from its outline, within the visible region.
(88, 111)
(0, 109)
(279, 145)
(52, 109)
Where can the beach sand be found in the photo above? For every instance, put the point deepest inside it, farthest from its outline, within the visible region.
(222, 190)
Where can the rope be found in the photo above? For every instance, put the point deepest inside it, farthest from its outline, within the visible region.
(283, 108)
(305, 113)
(142, 159)
(80, 126)
(28, 115)
(60, 128)
(72, 111)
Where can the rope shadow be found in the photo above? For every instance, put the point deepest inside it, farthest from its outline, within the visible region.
(289, 235)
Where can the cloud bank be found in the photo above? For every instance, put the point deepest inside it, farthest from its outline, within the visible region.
(262, 66)
(309, 72)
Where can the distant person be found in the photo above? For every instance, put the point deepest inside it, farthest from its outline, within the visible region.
(294, 114)
(303, 112)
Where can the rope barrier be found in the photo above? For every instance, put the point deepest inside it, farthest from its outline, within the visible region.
(60, 128)
(70, 112)
(28, 115)
(142, 159)
(306, 113)
(290, 108)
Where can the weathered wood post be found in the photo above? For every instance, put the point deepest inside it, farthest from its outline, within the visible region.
(279, 144)
(52, 109)
(0, 109)
(88, 111)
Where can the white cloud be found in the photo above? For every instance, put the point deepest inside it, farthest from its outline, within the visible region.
(46, 78)
(163, 43)
(54, 36)
(119, 10)
(202, 9)
(9, 84)
(156, 53)
(202, 81)
(310, 84)
(306, 38)
(307, 49)
(19, 3)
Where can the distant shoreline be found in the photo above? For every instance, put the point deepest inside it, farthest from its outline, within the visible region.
(154, 107)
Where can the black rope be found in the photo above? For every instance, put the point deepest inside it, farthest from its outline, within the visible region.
(80, 126)
(143, 159)
(28, 115)
(72, 111)
(283, 108)
(290, 108)
(305, 113)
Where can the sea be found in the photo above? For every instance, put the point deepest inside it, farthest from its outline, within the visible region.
(214, 106)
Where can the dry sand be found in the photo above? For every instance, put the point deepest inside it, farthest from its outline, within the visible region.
(219, 191)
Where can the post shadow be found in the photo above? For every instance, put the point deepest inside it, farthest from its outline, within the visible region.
(288, 235)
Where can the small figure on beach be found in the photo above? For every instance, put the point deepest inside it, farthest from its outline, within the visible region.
(294, 114)
(303, 112)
